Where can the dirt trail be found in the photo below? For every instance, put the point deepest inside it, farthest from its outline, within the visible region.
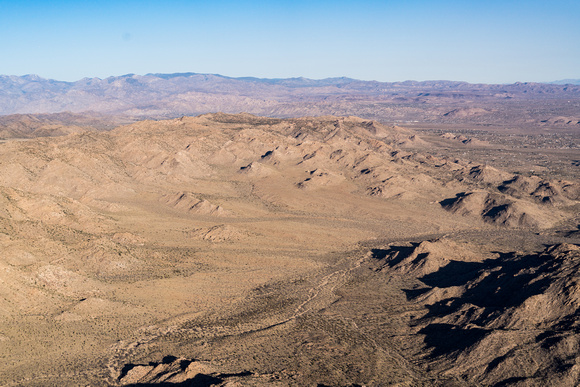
(319, 297)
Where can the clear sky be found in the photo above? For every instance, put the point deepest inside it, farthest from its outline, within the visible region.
(488, 41)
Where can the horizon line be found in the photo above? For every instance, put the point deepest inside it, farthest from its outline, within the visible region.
(564, 81)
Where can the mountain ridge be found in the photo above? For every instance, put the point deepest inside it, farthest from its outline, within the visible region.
(259, 250)
(172, 95)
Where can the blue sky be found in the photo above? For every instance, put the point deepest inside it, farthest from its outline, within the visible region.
(475, 41)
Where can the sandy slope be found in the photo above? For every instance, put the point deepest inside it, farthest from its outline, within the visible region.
(238, 248)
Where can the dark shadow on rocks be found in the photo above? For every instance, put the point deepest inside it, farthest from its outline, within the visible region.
(570, 323)
(239, 374)
(511, 281)
(509, 381)
(446, 339)
(412, 294)
(487, 293)
(508, 283)
(494, 363)
(443, 308)
(200, 380)
(455, 273)
(166, 360)
(394, 254)
(446, 203)
(496, 211)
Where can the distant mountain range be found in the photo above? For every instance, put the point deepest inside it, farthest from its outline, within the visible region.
(567, 82)
(173, 95)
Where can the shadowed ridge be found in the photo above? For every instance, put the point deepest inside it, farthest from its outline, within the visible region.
(499, 312)
(171, 371)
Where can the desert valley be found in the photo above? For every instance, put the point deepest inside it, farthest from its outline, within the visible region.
(200, 230)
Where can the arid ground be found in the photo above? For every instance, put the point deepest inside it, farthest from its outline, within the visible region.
(242, 250)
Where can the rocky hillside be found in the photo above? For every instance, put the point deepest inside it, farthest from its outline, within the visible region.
(243, 249)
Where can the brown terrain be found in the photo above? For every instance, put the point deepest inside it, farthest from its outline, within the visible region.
(235, 249)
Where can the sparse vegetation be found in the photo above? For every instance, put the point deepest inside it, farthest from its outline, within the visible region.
(333, 251)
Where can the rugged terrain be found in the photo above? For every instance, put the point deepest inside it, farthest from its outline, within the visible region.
(224, 249)
(134, 97)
